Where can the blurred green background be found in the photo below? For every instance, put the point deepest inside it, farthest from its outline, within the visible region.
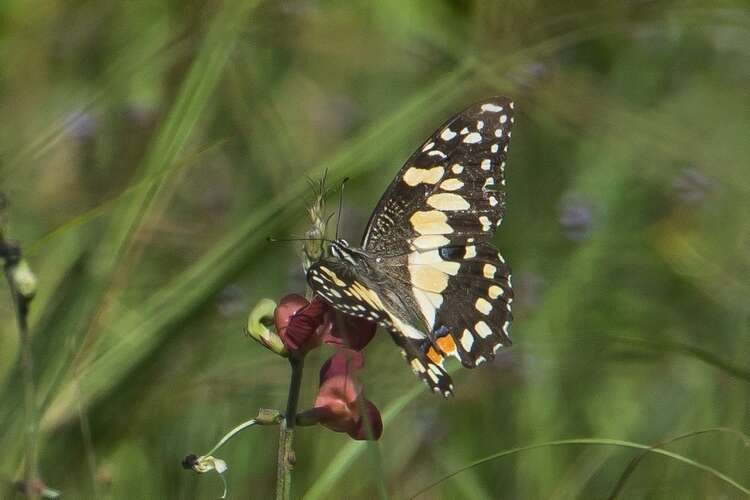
(149, 148)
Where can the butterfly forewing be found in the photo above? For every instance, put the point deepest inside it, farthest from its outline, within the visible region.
(452, 185)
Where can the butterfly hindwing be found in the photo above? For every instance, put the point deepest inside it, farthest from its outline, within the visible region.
(426, 363)
(335, 283)
(478, 315)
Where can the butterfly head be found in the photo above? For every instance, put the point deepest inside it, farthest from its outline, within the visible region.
(354, 257)
(341, 250)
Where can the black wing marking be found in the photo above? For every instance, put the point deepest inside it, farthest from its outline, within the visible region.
(478, 314)
(453, 186)
(461, 291)
(426, 362)
(333, 281)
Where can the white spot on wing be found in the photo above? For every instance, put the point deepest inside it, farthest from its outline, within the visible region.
(432, 258)
(447, 134)
(483, 306)
(473, 138)
(448, 201)
(483, 330)
(489, 271)
(492, 108)
(428, 303)
(457, 168)
(414, 176)
(451, 185)
(467, 340)
(428, 278)
(428, 146)
(430, 241)
(486, 164)
(406, 328)
(430, 222)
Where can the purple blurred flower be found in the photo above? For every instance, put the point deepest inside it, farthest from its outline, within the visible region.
(82, 125)
(530, 74)
(576, 217)
(691, 186)
(527, 291)
(231, 300)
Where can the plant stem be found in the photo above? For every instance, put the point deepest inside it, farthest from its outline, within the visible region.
(11, 253)
(286, 456)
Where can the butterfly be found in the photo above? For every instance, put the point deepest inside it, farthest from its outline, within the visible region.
(426, 270)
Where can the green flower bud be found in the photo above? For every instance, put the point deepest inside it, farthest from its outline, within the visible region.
(24, 280)
(259, 327)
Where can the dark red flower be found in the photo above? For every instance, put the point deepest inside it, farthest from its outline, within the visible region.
(348, 331)
(303, 325)
(340, 404)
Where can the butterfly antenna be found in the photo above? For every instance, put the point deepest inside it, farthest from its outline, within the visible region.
(341, 205)
(272, 239)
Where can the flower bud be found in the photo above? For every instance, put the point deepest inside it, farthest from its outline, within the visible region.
(301, 324)
(24, 280)
(259, 327)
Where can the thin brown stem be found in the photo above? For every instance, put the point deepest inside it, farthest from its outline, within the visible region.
(286, 458)
(11, 254)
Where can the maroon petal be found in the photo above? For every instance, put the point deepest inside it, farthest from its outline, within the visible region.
(299, 322)
(340, 405)
(337, 374)
(349, 332)
(370, 424)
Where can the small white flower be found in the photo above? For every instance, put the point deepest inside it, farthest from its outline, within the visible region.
(208, 463)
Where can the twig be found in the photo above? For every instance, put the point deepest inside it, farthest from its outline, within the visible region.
(22, 287)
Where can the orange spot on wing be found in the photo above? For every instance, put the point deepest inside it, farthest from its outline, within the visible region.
(446, 344)
(434, 356)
